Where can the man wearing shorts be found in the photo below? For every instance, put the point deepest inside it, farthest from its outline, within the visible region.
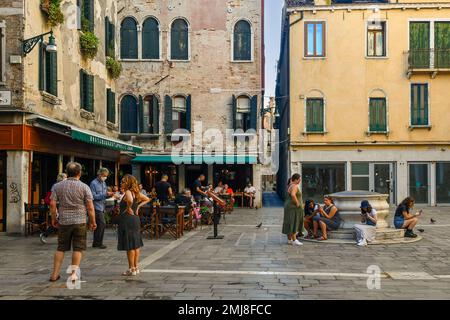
(74, 199)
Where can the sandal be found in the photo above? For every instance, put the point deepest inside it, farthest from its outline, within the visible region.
(54, 280)
(129, 272)
(322, 239)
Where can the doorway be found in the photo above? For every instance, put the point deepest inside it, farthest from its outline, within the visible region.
(382, 179)
(2, 191)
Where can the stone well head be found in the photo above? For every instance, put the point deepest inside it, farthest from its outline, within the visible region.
(348, 204)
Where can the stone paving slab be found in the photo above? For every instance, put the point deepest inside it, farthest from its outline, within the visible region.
(233, 268)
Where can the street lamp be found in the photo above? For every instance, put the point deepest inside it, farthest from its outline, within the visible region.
(269, 110)
(29, 44)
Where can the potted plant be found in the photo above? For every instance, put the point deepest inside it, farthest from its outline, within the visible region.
(52, 9)
(89, 44)
(114, 67)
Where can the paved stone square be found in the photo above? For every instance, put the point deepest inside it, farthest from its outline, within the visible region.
(249, 263)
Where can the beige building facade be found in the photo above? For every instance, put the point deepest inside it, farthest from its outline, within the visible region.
(367, 86)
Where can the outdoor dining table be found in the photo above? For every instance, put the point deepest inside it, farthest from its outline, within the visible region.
(158, 213)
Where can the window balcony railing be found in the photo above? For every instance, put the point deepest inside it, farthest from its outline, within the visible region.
(429, 60)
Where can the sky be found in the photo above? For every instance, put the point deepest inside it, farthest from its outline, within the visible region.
(272, 26)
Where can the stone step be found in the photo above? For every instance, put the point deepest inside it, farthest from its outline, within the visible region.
(389, 234)
(343, 234)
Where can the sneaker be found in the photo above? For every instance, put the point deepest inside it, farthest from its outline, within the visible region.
(410, 234)
(362, 243)
(297, 243)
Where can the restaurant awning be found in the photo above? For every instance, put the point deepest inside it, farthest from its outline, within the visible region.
(85, 136)
(196, 159)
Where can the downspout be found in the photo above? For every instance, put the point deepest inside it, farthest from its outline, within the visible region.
(289, 89)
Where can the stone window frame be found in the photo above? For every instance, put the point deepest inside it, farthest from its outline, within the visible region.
(369, 23)
(169, 40)
(252, 40)
(2, 52)
(315, 94)
(141, 39)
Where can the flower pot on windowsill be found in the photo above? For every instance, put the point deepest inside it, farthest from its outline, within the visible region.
(45, 6)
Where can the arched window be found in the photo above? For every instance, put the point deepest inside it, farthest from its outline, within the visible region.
(150, 115)
(150, 39)
(242, 41)
(128, 39)
(179, 40)
(128, 114)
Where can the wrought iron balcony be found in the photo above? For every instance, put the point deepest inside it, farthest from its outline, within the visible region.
(428, 60)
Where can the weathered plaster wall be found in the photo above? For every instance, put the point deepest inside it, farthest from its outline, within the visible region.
(69, 62)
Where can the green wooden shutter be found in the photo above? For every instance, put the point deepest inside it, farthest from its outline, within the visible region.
(419, 44)
(113, 107)
(314, 115)
(53, 73)
(253, 112)
(377, 115)
(442, 44)
(107, 37)
(90, 93)
(88, 7)
(234, 111)
(41, 67)
(141, 123)
(82, 90)
(110, 105)
(167, 115)
(155, 115)
(112, 40)
(419, 104)
(188, 113)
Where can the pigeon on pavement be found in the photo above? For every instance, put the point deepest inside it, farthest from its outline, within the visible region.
(259, 225)
(432, 220)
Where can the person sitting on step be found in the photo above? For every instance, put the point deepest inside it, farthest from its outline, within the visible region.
(404, 220)
(328, 218)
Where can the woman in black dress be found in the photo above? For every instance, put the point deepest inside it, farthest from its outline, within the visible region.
(129, 232)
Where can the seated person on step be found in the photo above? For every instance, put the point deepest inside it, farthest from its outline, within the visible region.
(404, 220)
(328, 218)
(249, 194)
(311, 209)
(365, 232)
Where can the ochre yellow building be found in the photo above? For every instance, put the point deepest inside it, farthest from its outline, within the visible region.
(364, 96)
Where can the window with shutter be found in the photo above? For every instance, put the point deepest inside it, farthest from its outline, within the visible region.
(150, 114)
(377, 115)
(179, 40)
(111, 106)
(110, 43)
(2, 52)
(419, 105)
(180, 112)
(87, 19)
(86, 91)
(376, 39)
(90, 93)
(48, 71)
(419, 44)
(167, 115)
(242, 41)
(150, 39)
(128, 39)
(442, 44)
(243, 113)
(314, 115)
(129, 114)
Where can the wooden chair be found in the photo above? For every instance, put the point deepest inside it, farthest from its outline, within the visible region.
(36, 218)
(171, 220)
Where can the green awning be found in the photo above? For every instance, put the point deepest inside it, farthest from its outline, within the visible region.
(102, 141)
(196, 159)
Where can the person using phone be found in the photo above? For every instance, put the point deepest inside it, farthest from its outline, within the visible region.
(365, 232)
(403, 219)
